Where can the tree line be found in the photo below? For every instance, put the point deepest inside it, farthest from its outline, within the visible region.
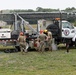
(40, 9)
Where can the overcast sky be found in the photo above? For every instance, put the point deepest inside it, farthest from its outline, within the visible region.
(33, 4)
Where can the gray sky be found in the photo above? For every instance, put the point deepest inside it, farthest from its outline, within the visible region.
(33, 4)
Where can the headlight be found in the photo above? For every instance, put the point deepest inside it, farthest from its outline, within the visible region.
(72, 31)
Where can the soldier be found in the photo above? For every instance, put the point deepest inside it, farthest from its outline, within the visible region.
(49, 40)
(22, 42)
(42, 38)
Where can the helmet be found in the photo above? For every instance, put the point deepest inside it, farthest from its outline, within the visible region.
(45, 31)
(21, 33)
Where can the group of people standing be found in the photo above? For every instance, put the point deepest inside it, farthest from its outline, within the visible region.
(43, 40)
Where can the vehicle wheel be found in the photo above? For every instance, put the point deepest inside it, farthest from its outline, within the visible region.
(7, 51)
(17, 48)
(71, 44)
(29, 48)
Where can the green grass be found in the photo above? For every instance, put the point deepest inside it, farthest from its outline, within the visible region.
(34, 63)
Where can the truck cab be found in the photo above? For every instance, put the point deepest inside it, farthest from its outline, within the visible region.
(68, 30)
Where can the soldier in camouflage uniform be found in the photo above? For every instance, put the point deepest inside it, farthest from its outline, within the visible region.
(49, 40)
(42, 38)
(22, 42)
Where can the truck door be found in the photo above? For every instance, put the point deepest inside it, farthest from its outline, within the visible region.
(68, 30)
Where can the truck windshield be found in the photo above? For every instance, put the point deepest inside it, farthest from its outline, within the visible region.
(67, 25)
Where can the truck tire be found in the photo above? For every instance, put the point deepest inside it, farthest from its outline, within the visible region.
(17, 48)
(7, 51)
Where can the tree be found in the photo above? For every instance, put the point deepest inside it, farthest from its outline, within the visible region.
(39, 9)
(70, 9)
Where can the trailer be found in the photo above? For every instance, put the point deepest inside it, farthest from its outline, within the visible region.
(9, 36)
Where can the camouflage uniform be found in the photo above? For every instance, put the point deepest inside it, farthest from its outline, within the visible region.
(49, 40)
(42, 38)
(22, 42)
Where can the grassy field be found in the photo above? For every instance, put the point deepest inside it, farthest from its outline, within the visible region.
(34, 63)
